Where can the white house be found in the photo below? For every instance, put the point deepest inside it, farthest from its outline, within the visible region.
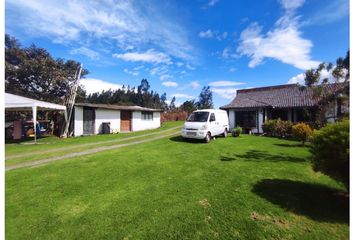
(104, 118)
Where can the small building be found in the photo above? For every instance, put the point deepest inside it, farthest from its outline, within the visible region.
(252, 107)
(105, 118)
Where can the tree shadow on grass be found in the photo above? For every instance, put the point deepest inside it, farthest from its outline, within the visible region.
(256, 155)
(318, 202)
(186, 140)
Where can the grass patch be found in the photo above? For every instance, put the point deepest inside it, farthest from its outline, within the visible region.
(235, 188)
(52, 142)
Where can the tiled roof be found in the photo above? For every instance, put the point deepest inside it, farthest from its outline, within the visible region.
(290, 95)
(118, 107)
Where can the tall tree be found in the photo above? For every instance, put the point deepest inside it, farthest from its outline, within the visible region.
(314, 80)
(172, 106)
(205, 98)
(144, 86)
(188, 106)
(34, 73)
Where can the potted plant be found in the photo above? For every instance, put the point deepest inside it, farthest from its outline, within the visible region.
(236, 131)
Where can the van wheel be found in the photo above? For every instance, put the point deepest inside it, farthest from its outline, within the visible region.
(225, 133)
(208, 137)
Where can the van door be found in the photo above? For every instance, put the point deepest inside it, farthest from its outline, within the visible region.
(212, 124)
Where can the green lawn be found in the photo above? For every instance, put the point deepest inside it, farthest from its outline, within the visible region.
(54, 146)
(235, 188)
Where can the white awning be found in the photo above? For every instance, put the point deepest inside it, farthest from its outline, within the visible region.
(18, 103)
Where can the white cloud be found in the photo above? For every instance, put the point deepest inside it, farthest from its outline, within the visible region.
(126, 24)
(159, 70)
(209, 4)
(165, 77)
(170, 84)
(179, 64)
(86, 52)
(283, 43)
(93, 85)
(150, 56)
(232, 69)
(182, 95)
(213, 34)
(332, 12)
(226, 93)
(134, 72)
(291, 5)
(189, 67)
(206, 34)
(300, 78)
(224, 83)
(194, 84)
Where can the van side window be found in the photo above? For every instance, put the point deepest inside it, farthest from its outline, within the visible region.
(212, 117)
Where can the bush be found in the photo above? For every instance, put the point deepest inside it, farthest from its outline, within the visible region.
(301, 132)
(283, 128)
(236, 131)
(269, 127)
(330, 151)
(277, 128)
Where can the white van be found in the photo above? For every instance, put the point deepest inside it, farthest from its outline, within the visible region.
(205, 124)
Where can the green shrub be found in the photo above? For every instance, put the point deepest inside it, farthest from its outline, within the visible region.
(330, 151)
(236, 131)
(269, 127)
(301, 132)
(283, 128)
(277, 128)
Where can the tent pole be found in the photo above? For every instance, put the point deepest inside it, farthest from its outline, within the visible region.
(34, 113)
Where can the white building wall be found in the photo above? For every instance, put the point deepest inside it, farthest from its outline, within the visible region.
(78, 121)
(107, 115)
(232, 118)
(260, 120)
(139, 124)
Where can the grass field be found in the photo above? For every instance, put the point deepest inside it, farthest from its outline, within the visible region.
(53, 146)
(235, 188)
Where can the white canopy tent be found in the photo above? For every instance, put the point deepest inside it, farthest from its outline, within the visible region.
(19, 103)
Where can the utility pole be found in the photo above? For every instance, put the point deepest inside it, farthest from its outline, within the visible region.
(70, 101)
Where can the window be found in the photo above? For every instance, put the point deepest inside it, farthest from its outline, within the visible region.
(246, 119)
(198, 117)
(147, 115)
(212, 117)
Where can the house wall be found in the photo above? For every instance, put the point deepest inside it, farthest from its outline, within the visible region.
(139, 124)
(78, 121)
(107, 115)
(260, 121)
(232, 118)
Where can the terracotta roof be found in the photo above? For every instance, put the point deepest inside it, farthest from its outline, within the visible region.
(118, 107)
(289, 95)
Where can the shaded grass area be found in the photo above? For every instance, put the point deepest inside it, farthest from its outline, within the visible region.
(173, 189)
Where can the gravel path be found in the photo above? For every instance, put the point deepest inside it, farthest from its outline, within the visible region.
(90, 151)
(86, 144)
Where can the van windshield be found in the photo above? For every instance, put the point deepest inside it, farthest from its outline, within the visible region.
(198, 117)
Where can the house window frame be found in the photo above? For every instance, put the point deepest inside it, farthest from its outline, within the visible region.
(147, 116)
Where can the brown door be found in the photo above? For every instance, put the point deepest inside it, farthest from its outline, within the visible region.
(125, 121)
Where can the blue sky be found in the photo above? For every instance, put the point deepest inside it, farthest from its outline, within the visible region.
(181, 46)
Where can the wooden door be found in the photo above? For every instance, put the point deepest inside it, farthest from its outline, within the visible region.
(125, 121)
(89, 120)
